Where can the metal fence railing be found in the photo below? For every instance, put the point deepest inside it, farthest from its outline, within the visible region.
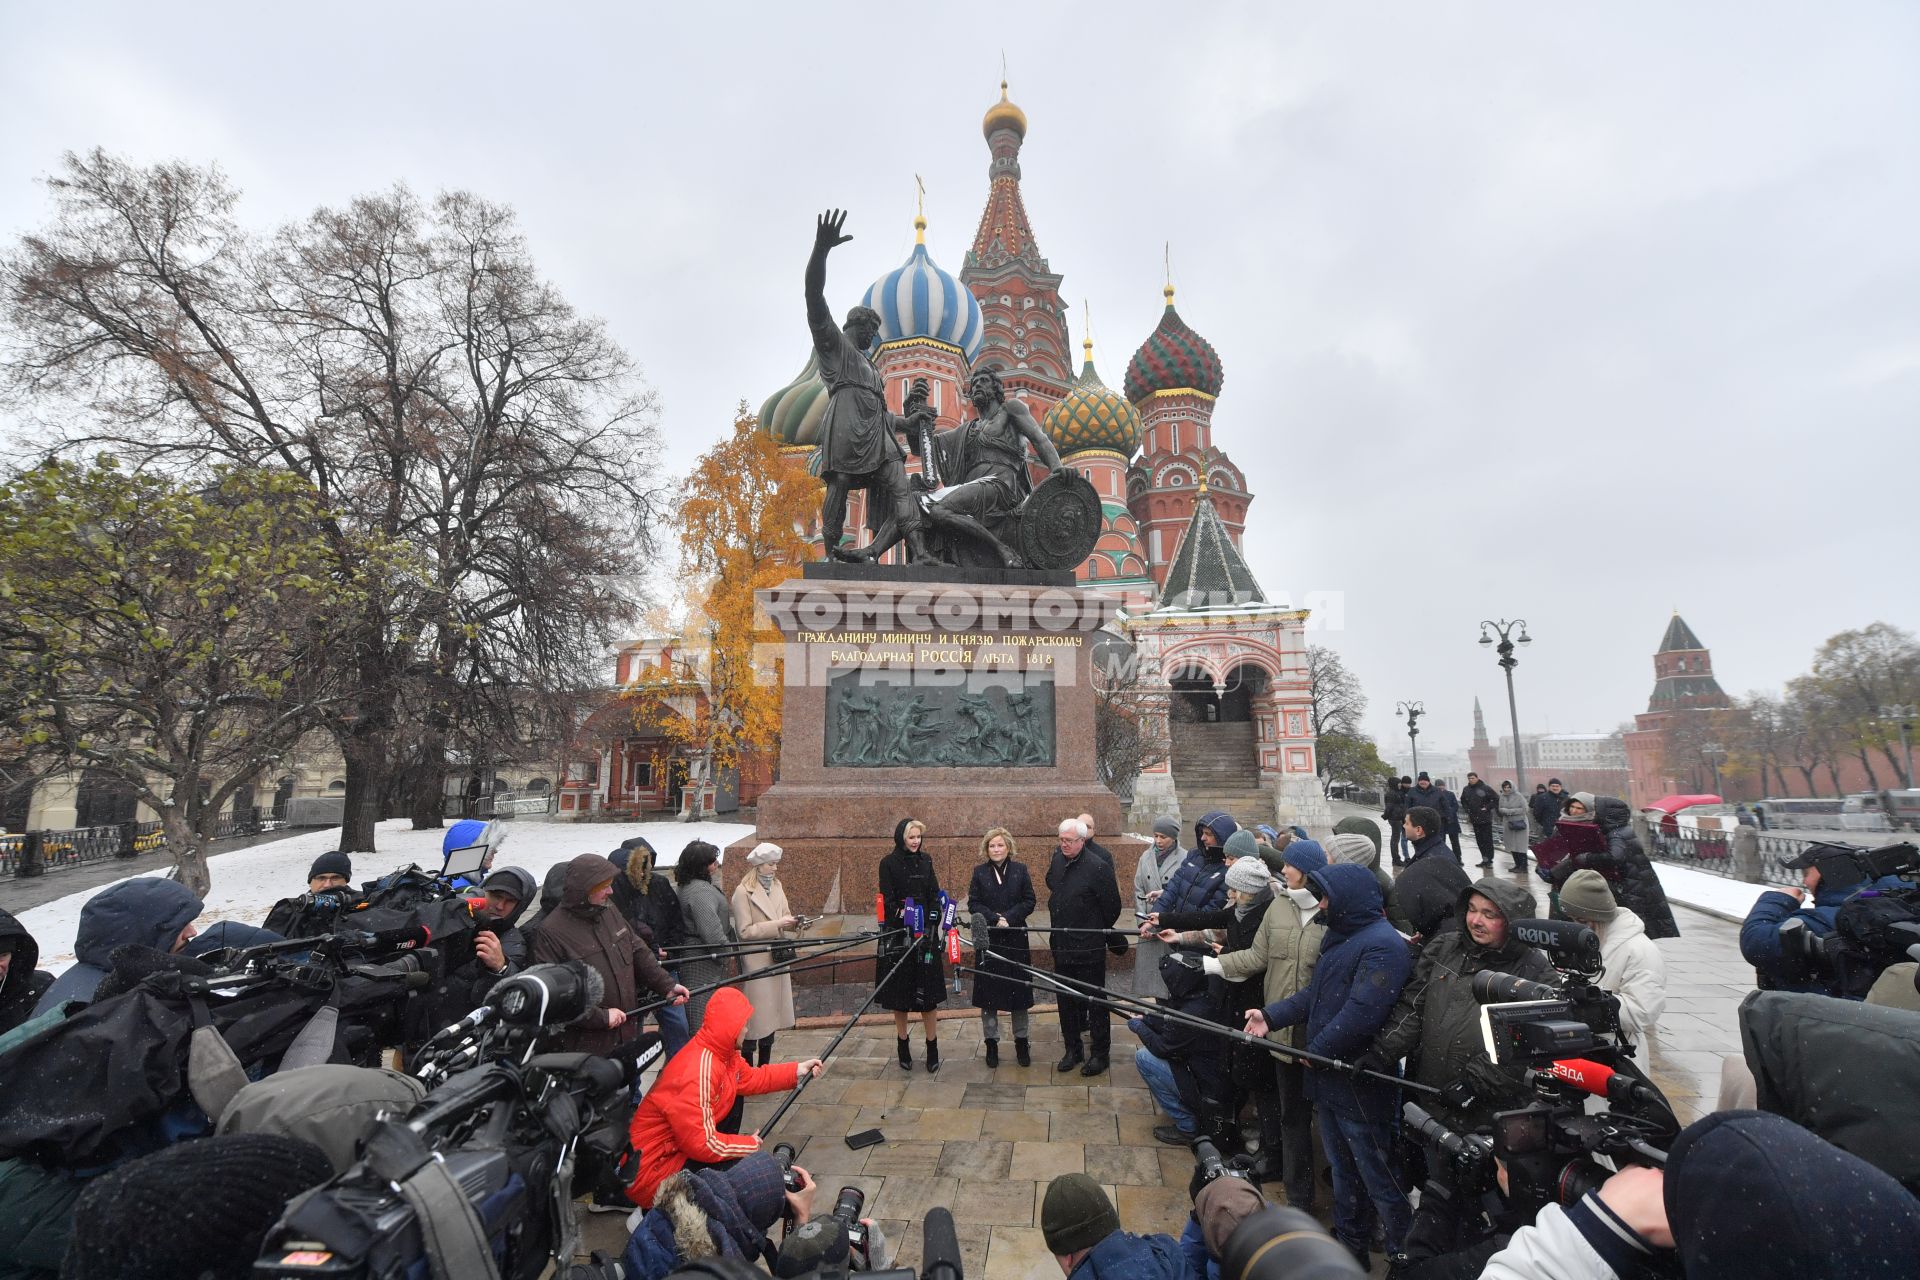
(1712, 851)
(38, 852)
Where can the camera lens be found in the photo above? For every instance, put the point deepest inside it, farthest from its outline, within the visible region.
(1285, 1244)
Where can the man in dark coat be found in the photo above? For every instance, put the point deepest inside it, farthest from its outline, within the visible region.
(147, 911)
(1442, 802)
(1436, 1024)
(22, 982)
(1082, 894)
(1481, 803)
(1427, 890)
(1182, 1065)
(1546, 807)
(583, 927)
(1394, 810)
(1627, 868)
(1362, 967)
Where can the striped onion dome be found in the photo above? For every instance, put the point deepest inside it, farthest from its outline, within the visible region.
(919, 300)
(1093, 415)
(1173, 358)
(792, 414)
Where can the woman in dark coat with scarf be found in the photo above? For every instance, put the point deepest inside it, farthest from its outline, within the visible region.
(1000, 898)
(920, 984)
(1626, 866)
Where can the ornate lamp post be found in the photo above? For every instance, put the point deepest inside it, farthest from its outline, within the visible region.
(1507, 663)
(1714, 753)
(1413, 711)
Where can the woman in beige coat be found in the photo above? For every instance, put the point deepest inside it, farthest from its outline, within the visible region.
(760, 914)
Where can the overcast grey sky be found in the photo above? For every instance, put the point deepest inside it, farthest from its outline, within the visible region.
(1574, 313)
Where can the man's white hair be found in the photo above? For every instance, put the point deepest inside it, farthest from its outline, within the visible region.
(1074, 825)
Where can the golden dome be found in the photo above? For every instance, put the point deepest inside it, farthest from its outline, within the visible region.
(1004, 115)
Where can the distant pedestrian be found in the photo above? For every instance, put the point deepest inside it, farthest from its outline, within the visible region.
(1481, 803)
(1393, 811)
(1546, 807)
(1444, 803)
(1513, 825)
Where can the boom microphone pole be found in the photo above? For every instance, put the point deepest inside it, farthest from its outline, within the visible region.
(834, 1043)
(701, 951)
(1132, 1005)
(770, 971)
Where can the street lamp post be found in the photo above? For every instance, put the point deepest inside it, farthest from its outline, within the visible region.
(1507, 663)
(1714, 754)
(1413, 712)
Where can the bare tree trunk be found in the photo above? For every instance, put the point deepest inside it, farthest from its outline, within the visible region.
(365, 750)
(1833, 772)
(1806, 770)
(427, 801)
(186, 849)
(1873, 779)
(1899, 766)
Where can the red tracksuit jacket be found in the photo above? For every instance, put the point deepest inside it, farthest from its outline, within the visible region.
(679, 1118)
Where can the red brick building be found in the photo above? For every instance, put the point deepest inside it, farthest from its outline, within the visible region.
(1684, 691)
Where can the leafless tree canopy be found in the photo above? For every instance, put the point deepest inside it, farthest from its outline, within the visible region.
(1337, 701)
(406, 359)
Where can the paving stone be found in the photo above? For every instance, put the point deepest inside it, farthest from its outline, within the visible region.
(1014, 1125)
(903, 1158)
(996, 1097)
(1116, 1164)
(1114, 1098)
(1149, 1209)
(1069, 1097)
(1019, 1253)
(1083, 1126)
(931, 1093)
(910, 1197)
(949, 1124)
(1044, 1161)
(982, 1161)
(995, 1203)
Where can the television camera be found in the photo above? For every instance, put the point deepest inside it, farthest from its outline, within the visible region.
(1876, 927)
(482, 1171)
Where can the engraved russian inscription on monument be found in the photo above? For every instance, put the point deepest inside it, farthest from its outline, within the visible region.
(965, 719)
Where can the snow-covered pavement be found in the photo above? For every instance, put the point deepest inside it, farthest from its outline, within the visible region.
(247, 882)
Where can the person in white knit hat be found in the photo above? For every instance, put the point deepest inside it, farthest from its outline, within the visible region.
(760, 914)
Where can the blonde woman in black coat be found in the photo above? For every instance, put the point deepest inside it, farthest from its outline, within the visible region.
(1000, 898)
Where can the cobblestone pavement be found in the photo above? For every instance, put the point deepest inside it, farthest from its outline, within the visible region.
(986, 1142)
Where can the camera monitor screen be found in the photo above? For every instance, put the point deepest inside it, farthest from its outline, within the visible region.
(465, 862)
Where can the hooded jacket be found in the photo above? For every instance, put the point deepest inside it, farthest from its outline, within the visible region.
(680, 1116)
(1513, 816)
(1761, 945)
(1125, 1256)
(1362, 967)
(600, 937)
(147, 911)
(25, 982)
(1626, 866)
(1436, 1024)
(701, 1213)
(646, 897)
(1848, 1071)
(1198, 884)
(1427, 890)
(1199, 1068)
(1634, 970)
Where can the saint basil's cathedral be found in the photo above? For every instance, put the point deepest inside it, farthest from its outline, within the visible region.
(1231, 664)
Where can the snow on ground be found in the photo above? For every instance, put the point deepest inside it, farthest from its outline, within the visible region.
(247, 882)
(1713, 893)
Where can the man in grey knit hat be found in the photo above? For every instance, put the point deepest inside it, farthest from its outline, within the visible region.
(1157, 865)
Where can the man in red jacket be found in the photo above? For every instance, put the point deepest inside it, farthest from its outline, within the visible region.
(687, 1116)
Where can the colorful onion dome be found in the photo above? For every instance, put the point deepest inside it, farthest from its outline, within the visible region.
(1173, 358)
(792, 414)
(919, 300)
(1004, 115)
(1093, 415)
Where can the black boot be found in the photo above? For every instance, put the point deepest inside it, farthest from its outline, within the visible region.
(765, 1054)
(933, 1056)
(993, 1053)
(906, 1055)
(1071, 1059)
(1023, 1052)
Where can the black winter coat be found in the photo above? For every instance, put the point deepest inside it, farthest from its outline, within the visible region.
(1481, 802)
(1395, 807)
(1427, 890)
(655, 909)
(1007, 892)
(1627, 868)
(1546, 811)
(1199, 1068)
(1251, 1068)
(920, 983)
(1081, 894)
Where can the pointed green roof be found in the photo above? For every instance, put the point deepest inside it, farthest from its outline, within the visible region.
(1679, 637)
(1208, 569)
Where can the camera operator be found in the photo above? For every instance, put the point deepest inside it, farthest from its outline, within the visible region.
(1743, 1194)
(583, 928)
(22, 981)
(692, 1113)
(147, 911)
(1832, 875)
(1083, 1234)
(1632, 967)
(1182, 1065)
(1363, 964)
(1436, 1024)
(708, 1212)
(1428, 889)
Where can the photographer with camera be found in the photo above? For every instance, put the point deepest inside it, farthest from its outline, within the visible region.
(583, 928)
(1772, 938)
(1436, 1024)
(1743, 1194)
(1083, 1234)
(1363, 965)
(1181, 1065)
(709, 1212)
(146, 911)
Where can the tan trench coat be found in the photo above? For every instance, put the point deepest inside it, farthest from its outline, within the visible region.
(756, 916)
